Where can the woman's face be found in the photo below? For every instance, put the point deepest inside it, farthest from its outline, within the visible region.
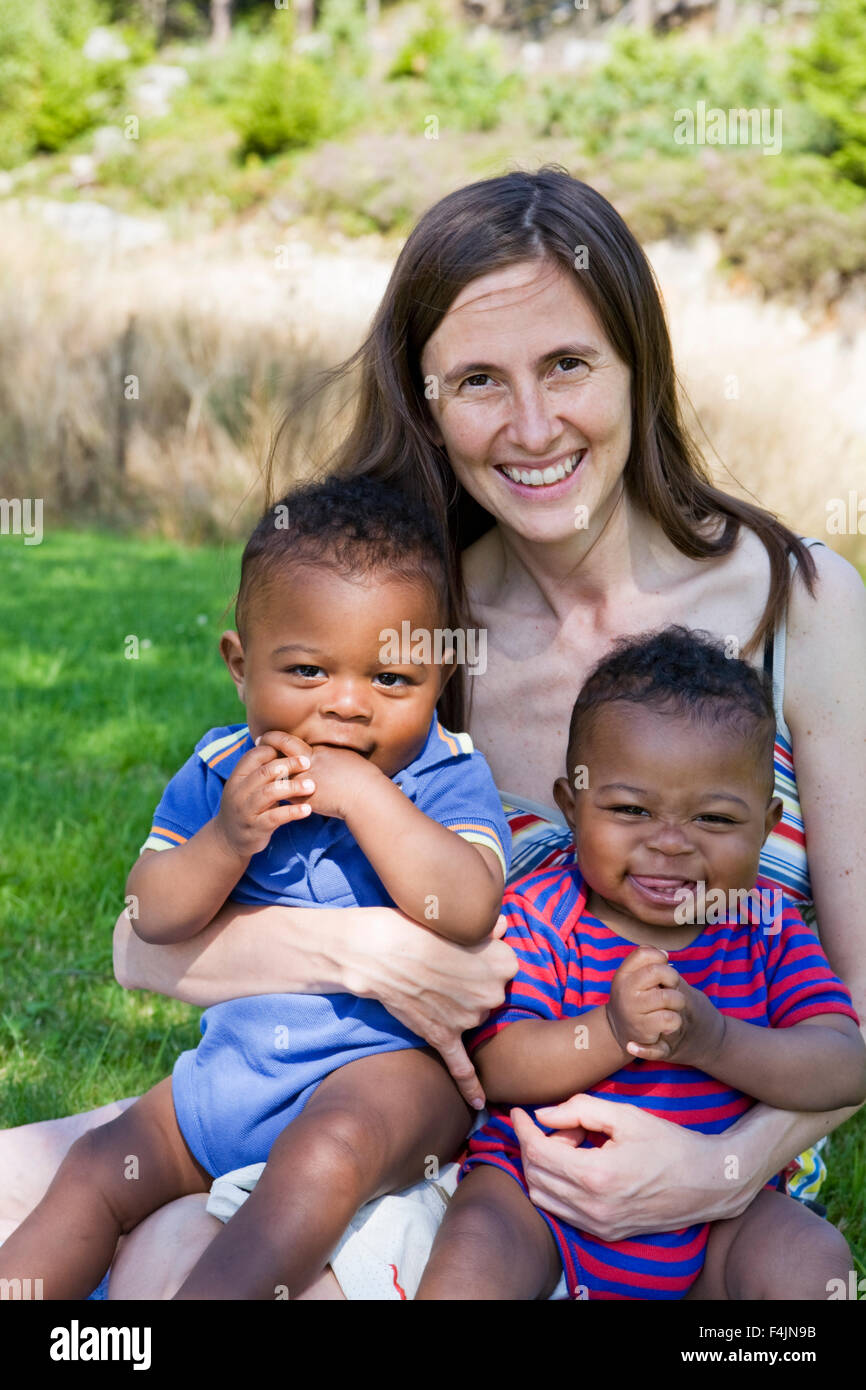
(533, 403)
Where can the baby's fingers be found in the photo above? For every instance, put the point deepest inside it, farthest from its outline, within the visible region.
(658, 1053)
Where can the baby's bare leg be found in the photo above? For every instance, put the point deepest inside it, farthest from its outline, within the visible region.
(492, 1244)
(370, 1128)
(111, 1178)
(777, 1249)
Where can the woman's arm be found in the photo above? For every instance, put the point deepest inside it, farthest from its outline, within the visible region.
(435, 987)
(825, 708)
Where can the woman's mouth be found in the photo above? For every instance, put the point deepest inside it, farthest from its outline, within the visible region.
(549, 480)
(662, 892)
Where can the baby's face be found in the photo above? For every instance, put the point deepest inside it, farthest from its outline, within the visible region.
(669, 804)
(311, 664)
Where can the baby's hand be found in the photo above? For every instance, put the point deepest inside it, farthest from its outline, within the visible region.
(703, 1028)
(340, 777)
(646, 1005)
(251, 809)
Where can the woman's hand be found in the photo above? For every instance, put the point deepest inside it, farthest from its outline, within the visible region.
(435, 987)
(650, 1175)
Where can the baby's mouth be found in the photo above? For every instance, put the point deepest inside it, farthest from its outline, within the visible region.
(665, 892)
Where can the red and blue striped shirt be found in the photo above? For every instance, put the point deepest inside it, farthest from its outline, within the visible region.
(767, 969)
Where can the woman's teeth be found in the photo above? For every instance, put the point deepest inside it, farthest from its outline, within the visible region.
(538, 477)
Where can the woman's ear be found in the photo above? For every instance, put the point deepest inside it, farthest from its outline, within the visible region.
(232, 653)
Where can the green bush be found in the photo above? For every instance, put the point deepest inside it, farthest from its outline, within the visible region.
(49, 92)
(289, 104)
(830, 73)
(629, 102)
(464, 85)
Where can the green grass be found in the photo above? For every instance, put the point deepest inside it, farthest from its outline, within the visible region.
(90, 739)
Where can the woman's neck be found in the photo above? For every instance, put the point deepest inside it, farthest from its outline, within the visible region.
(623, 551)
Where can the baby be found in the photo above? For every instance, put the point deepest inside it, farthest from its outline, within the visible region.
(623, 992)
(341, 790)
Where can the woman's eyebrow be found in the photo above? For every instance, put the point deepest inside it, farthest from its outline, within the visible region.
(568, 350)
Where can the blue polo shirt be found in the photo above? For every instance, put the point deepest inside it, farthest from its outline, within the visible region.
(261, 1057)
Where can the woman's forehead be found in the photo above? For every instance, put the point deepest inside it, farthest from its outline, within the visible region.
(522, 304)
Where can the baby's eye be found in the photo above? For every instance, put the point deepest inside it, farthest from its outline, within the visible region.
(630, 810)
(716, 819)
(305, 671)
(392, 679)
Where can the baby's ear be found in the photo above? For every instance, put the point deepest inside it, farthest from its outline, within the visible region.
(564, 798)
(773, 816)
(232, 653)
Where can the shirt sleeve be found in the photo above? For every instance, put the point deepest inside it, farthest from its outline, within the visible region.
(536, 991)
(800, 982)
(462, 796)
(190, 800)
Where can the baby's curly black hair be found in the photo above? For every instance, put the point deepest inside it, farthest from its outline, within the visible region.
(356, 526)
(680, 671)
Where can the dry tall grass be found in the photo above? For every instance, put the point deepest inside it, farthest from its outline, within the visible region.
(221, 338)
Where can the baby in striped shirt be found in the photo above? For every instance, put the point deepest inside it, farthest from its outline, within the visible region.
(636, 986)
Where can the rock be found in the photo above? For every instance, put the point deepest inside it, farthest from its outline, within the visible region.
(155, 85)
(83, 170)
(100, 227)
(109, 140)
(102, 46)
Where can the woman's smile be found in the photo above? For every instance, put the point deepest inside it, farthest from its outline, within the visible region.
(545, 479)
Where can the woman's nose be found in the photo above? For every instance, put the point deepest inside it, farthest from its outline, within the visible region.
(534, 424)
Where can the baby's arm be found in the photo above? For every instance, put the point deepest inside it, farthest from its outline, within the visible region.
(176, 892)
(533, 1062)
(817, 1064)
(443, 881)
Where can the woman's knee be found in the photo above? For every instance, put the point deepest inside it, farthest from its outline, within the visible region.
(154, 1260)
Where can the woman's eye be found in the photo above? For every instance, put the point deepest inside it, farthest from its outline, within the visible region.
(391, 679)
(574, 361)
(478, 377)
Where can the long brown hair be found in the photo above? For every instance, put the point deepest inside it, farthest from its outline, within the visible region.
(488, 226)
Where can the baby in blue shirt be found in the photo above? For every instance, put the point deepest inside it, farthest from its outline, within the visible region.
(342, 789)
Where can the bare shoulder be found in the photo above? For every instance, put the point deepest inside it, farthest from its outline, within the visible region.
(839, 595)
(826, 655)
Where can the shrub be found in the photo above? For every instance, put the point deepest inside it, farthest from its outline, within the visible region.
(287, 105)
(49, 92)
(464, 85)
(830, 73)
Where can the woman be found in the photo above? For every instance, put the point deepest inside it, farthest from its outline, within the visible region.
(519, 371)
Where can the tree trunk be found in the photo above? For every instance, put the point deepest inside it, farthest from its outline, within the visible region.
(220, 22)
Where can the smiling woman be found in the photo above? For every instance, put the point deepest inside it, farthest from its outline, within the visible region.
(521, 331)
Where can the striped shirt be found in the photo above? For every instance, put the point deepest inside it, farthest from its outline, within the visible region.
(766, 969)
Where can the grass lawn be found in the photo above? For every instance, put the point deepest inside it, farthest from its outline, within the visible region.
(91, 739)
